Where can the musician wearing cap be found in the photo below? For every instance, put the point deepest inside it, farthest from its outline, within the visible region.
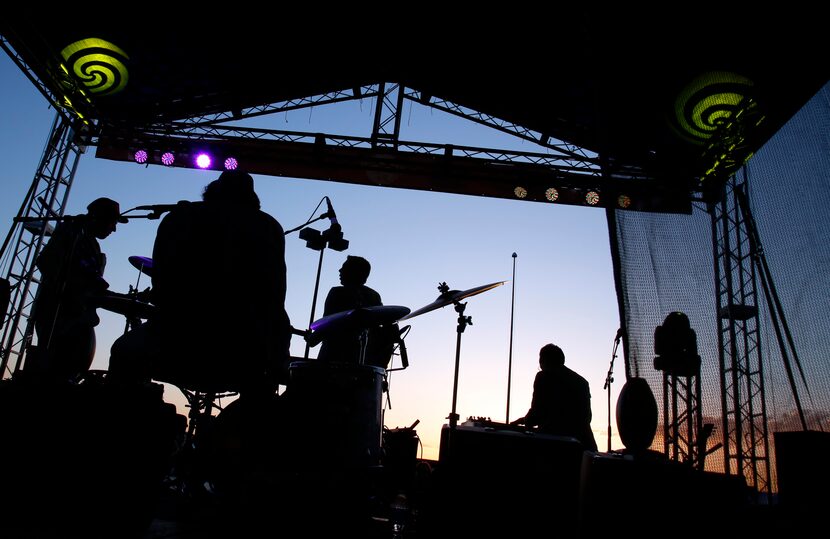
(71, 277)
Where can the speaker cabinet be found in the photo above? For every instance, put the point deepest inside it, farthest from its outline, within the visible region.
(803, 470)
(647, 495)
(492, 481)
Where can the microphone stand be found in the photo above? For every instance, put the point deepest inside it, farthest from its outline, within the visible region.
(318, 241)
(302, 226)
(314, 298)
(312, 242)
(510, 353)
(608, 380)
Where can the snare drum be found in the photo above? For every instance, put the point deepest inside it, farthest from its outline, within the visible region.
(337, 413)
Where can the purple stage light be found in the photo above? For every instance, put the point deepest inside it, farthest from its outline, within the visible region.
(203, 160)
(231, 163)
(140, 157)
(167, 158)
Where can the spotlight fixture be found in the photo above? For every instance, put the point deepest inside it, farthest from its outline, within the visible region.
(231, 163)
(140, 157)
(675, 346)
(592, 198)
(203, 160)
(623, 201)
(520, 192)
(167, 159)
(552, 194)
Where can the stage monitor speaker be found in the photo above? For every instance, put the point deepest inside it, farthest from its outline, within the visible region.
(511, 481)
(803, 470)
(646, 495)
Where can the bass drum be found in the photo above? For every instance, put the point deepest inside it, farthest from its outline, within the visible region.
(336, 413)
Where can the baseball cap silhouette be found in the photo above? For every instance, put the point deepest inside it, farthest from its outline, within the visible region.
(105, 208)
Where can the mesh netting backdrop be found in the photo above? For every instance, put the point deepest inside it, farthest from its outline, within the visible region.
(666, 264)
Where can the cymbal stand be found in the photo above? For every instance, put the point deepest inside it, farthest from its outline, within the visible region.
(132, 321)
(463, 322)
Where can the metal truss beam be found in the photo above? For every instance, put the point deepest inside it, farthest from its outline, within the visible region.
(386, 127)
(683, 440)
(397, 163)
(566, 150)
(340, 96)
(743, 402)
(178, 132)
(389, 99)
(46, 198)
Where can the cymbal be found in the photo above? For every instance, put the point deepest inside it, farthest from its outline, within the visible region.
(360, 318)
(128, 306)
(142, 264)
(452, 296)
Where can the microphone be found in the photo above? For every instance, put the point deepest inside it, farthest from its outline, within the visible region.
(404, 356)
(330, 213)
(157, 209)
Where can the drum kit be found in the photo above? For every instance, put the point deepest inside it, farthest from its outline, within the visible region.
(345, 399)
(336, 377)
(131, 304)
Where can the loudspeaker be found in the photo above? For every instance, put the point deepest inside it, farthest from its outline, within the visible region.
(505, 482)
(646, 494)
(803, 470)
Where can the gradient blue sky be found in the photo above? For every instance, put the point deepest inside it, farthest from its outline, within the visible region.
(564, 290)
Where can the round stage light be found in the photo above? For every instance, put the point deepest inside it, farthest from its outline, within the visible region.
(592, 198)
(552, 194)
(203, 160)
(624, 201)
(167, 158)
(231, 163)
(140, 157)
(520, 192)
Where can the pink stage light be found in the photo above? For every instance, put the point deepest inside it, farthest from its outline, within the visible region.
(140, 157)
(167, 158)
(231, 163)
(203, 160)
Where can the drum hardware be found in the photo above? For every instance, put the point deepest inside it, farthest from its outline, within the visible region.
(127, 305)
(402, 333)
(453, 297)
(343, 398)
(142, 264)
(361, 319)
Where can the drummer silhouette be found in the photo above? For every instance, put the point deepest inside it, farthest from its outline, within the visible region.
(345, 345)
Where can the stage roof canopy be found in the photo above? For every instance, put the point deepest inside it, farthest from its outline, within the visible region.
(665, 105)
